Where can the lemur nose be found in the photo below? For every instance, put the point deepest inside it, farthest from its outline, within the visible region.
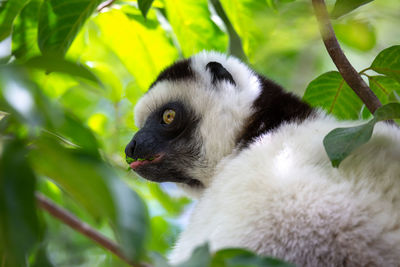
(130, 149)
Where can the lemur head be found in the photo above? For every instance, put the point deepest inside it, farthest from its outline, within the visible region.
(194, 115)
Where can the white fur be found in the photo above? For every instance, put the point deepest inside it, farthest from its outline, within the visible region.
(280, 196)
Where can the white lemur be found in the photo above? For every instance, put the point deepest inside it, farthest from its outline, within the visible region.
(253, 156)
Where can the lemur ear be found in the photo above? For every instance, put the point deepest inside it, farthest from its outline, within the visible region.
(219, 72)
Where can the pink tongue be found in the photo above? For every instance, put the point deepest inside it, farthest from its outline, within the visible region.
(136, 164)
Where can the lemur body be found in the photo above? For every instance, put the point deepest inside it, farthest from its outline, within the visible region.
(253, 156)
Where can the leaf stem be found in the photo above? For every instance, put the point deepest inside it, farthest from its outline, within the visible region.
(83, 228)
(349, 74)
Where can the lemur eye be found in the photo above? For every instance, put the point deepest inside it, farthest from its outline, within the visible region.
(168, 116)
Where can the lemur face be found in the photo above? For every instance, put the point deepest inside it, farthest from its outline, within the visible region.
(190, 119)
(164, 147)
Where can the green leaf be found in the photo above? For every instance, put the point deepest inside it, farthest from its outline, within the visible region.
(144, 6)
(88, 187)
(56, 64)
(332, 93)
(388, 62)
(97, 188)
(359, 35)
(131, 32)
(19, 225)
(24, 37)
(345, 6)
(388, 112)
(132, 219)
(241, 14)
(32, 108)
(239, 257)
(41, 258)
(340, 142)
(193, 27)
(59, 23)
(235, 43)
(384, 87)
(200, 257)
(174, 206)
(9, 10)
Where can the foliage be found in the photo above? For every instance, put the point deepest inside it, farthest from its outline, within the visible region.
(74, 70)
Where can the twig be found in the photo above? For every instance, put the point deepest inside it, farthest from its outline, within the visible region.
(349, 74)
(235, 43)
(81, 227)
(104, 5)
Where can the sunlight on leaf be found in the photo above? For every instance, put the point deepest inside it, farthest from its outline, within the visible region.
(345, 6)
(57, 31)
(193, 27)
(8, 11)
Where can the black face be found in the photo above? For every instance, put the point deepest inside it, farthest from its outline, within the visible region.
(165, 146)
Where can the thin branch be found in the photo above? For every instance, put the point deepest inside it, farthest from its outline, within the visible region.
(81, 227)
(349, 74)
(235, 43)
(105, 4)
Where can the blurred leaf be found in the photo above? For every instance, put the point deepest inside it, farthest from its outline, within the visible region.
(235, 43)
(158, 260)
(340, 142)
(41, 258)
(33, 108)
(16, 96)
(173, 206)
(388, 62)
(384, 87)
(330, 92)
(59, 23)
(200, 257)
(345, 6)
(163, 235)
(141, 45)
(97, 188)
(239, 258)
(132, 219)
(193, 27)
(144, 6)
(24, 37)
(79, 174)
(356, 34)
(51, 63)
(241, 14)
(9, 10)
(19, 225)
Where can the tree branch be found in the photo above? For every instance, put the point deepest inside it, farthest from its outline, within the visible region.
(104, 5)
(83, 228)
(349, 74)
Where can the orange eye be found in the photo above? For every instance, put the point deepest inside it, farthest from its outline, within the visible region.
(168, 116)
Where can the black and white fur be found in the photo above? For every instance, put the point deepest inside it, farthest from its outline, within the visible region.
(253, 156)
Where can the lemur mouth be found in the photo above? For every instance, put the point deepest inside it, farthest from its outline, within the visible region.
(136, 163)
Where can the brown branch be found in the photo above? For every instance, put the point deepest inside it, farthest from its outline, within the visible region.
(105, 4)
(349, 74)
(81, 227)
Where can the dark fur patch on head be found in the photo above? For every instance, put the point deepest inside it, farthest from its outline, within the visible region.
(273, 107)
(219, 73)
(181, 70)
